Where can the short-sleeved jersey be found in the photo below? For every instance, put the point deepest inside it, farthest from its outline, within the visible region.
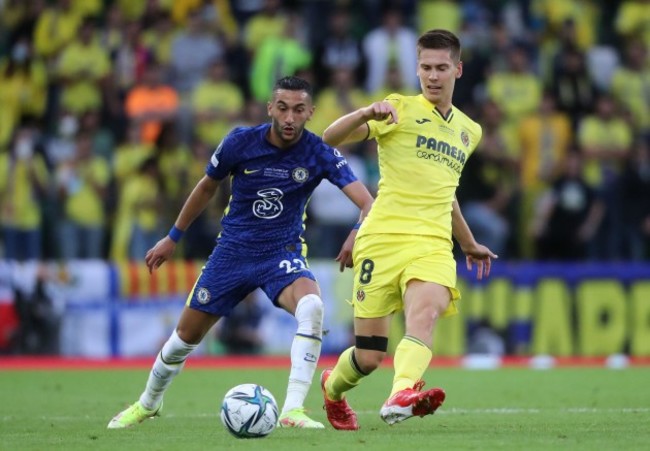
(420, 162)
(271, 187)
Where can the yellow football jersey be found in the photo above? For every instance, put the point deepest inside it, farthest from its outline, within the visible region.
(420, 162)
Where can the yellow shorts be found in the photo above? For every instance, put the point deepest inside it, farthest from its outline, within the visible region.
(385, 263)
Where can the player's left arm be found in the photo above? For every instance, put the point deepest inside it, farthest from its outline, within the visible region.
(474, 252)
(359, 194)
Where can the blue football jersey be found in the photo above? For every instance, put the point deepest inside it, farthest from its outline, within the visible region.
(271, 186)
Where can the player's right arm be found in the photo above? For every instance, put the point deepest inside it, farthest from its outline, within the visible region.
(353, 126)
(194, 205)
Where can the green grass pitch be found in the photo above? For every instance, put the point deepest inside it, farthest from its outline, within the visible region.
(566, 408)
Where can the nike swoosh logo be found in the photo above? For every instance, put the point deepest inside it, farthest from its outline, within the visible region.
(250, 171)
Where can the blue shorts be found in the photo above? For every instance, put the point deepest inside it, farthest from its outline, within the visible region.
(227, 278)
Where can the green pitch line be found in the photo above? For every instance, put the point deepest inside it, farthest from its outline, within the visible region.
(504, 409)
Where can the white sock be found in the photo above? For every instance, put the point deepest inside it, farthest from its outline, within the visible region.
(305, 350)
(169, 363)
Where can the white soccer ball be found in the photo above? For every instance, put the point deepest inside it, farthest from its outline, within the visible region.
(249, 411)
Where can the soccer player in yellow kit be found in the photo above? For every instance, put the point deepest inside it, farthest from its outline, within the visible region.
(403, 251)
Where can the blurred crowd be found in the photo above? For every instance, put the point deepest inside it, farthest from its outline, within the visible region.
(110, 109)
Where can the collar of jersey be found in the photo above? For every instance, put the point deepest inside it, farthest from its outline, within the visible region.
(434, 109)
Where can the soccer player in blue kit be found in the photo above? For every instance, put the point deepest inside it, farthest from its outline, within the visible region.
(273, 168)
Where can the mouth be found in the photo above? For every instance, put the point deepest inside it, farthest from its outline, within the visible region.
(288, 130)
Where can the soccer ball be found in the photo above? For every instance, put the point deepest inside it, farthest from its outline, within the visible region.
(249, 411)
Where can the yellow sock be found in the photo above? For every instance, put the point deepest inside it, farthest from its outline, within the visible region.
(345, 375)
(412, 357)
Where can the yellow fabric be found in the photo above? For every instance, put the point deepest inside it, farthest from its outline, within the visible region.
(631, 89)
(439, 14)
(544, 143)
(19, 205)
(606, 135)
(420, 166)
(24, 93)
(516, 94)
(329, 108)
(7, 124)
(139, 196)
(86, 65)
(132, 9)
(128, 158)
(412, 357)
(385, 263)
(227, 23)
(85, 206)
(584, 13)
(84, 8)
(224, 98)
(260, 28)
(161, 45)
(174, 166)
(54, 30)
(633, 20)
(343, 378)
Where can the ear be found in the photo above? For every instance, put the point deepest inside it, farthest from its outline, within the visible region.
(459, 72)
(269, 106)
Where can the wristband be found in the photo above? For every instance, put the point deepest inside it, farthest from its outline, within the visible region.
(356, 226)
(175, 234)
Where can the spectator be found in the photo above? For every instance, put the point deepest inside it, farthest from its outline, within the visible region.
(200, 235)
(341, 96)
(605, 139)
(23, 182)
(572, 86)
(630, 85)
(487, 198)
(568, 216)
(216, 104)
(545, 138)
(173, 163)
(82, 184)
(142, 198)
(83, 70)
(129, 156)
(23, 88)
(276, 57)
(517, 91)
(159, 38)
(339, 49)
(55, 28)
(269, 23)
(150, 103)
(635, 193)
(392, 43)
(633, 20)
(103, 143)
(192, 52)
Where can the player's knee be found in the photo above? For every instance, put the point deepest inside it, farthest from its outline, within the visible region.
(309, 314)
(175, 350)
(370, 351)
(368, 361)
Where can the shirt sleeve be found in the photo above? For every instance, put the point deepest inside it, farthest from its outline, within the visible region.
(222, 160)
(337, 169)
